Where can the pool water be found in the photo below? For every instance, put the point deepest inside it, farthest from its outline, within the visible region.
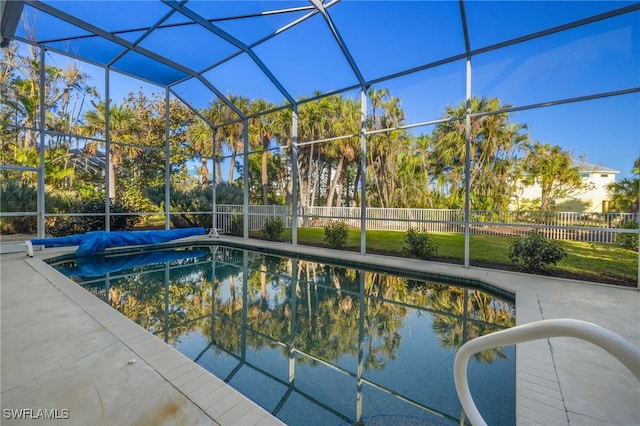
(314, 343)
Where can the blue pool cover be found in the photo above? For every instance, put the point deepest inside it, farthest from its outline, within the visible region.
(97, 266)
(97, 241)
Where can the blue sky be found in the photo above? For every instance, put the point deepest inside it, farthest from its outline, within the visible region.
(389, 36)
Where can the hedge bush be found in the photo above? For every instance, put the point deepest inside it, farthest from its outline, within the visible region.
(534, 252)
(419, 244)
(628, 241)
(335, 234)
(273, 228)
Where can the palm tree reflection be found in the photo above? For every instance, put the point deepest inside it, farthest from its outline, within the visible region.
(312, 313)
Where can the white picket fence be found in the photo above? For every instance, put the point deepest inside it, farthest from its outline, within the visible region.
(589, 227)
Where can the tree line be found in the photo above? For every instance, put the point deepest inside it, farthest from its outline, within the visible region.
(404, 168)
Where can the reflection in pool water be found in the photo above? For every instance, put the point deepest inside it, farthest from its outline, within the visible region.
(289, 333)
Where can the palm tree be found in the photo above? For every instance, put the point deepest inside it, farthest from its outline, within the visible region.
(313, 124)
(261, 132)
(282, 124)
(65, 91)
(625, 195)
(383, 148)
(376, 98)
(413, 174)
(552, 168)
(230, 135)
(496, 146)
(122, 128)
(20, 92)
(345, 121)
(201, 137)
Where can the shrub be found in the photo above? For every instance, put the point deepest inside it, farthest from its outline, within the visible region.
(18, 196)
(628, 241)
(419, 244)
(195, 199)
(237, 225)
(82, 224)
(534, 252)
(273, 227)
(335, 234)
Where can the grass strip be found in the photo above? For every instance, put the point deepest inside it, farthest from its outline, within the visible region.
(588, 261)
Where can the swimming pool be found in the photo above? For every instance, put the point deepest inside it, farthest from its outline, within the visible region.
(287, 332)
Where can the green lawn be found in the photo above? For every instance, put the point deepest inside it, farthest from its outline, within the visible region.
(588, 261)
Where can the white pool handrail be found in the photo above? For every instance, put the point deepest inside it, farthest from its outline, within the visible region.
(29, 248)
(612, 342)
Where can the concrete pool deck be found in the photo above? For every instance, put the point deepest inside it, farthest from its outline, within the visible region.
(64, 349)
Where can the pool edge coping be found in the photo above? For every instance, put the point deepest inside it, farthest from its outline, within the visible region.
(219, 401)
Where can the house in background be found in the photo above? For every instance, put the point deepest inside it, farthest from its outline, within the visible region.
(594, 199)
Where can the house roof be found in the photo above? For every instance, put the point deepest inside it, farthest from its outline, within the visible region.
(593, 168)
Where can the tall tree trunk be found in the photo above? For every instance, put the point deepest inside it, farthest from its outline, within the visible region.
(334, 182)
(302, 188)
(288, 196)
(263, 284)
(218, 167)
(289, 191)
(112, 179)
(341, 183)
(356, 182)
(309, 201)
(232, 165)
(204, 173)
(265, 178)
(545, 203)
(327, 183)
